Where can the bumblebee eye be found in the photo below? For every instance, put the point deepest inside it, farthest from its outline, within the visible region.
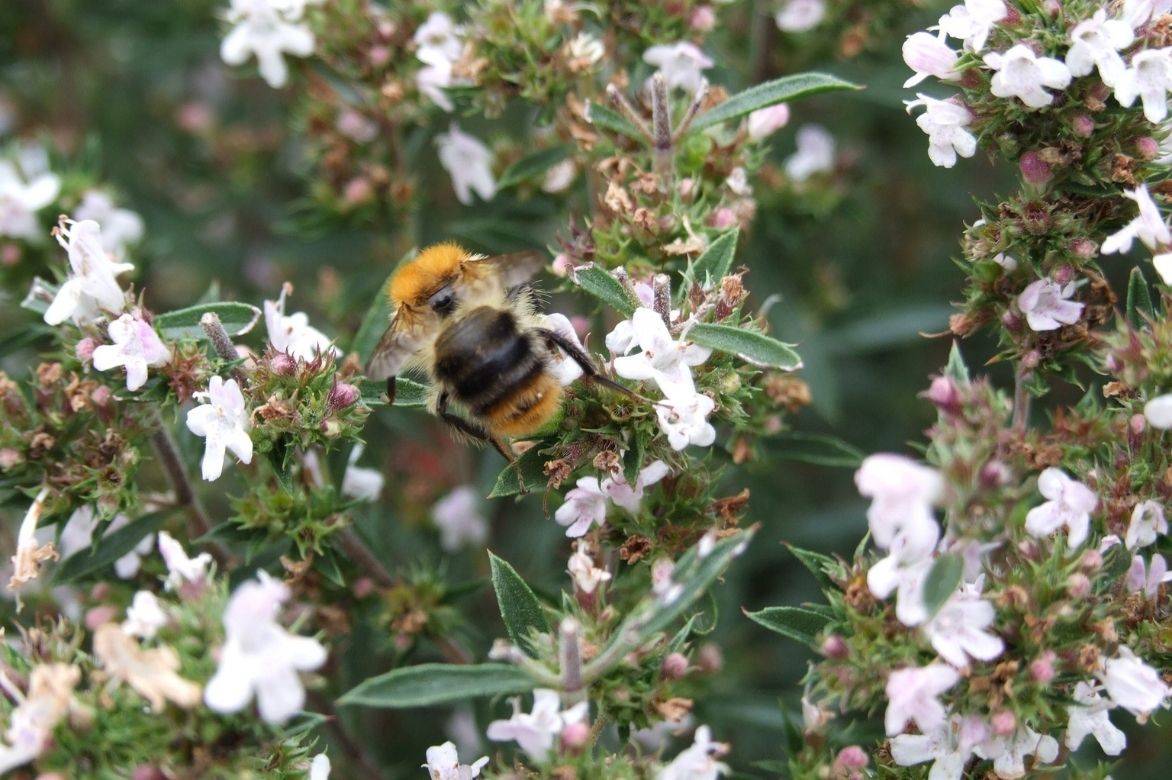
(443, 301)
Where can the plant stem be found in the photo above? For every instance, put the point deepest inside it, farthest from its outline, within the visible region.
(354, 751)
(1021, 398)
(185, 495)
(353, 545)
(221, 342)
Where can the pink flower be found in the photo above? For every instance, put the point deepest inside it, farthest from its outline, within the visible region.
(1147, 578)
(902, 493)
(912, 695)
(764, 122)
(1070, 504)
(928, 55)
(959, 630)
(1046, 305)
(585, 506)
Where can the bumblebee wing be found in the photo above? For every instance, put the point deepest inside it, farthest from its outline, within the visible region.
(515, 268)
(394, 349)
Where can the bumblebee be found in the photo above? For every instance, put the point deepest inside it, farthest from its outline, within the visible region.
(469, 321)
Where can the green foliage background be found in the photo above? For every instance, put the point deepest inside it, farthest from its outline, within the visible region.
(862, 269)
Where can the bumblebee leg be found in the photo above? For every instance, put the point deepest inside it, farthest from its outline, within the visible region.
(391, 387)
(579, 356)
(469, 428)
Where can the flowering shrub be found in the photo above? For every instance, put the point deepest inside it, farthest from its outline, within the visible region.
(212, 575)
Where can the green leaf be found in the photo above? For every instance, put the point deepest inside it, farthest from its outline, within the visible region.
(714, 264)
(603, 286)
(816, 562)
(529, 470)
(428, 684)
(956, 368)
(409, 394)
(800, 625)
(816, 448)
(750, 346)
(519, 607)
(237, 319)
(374, 324)
(108, 549)
(942, 581)
(1139, 298)
(604, 117)
(770, 93)
(532, 166)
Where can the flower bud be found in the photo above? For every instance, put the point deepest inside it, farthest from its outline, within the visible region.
(1084, 248)
(851, 757)
(342, 395)
(710, 659)
(101, 396)
(1042, 668)
(1083, 126)
(1031, 359)
(357, 191)
(686, 188)
(575, 735)
(362, 587)
(1147, 147)
(1011, 321)
(834, 646)
(1137, 424)
(1004, 723)
(283, 364)
(675, 666)
(944, 395)
(100, 615)
(703, 18)
(1078, 586)
(379, 55)
(1092, 560)
(994, 474)
(766, 121)
(1033, 169)
(723, 218)
(10, 254)
(85, 350)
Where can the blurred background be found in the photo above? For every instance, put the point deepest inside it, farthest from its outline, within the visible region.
(221, 168)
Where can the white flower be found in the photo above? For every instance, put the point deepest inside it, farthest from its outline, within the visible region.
(564, 369)
(1148, 578)
(815, 154)
(1138, 12)
(431, 81)
(266, 29)
(1133, 685)
(1158, 412)
(144, 616)
(584, 507)
(1096, 43)
(698, 761)
(665, 588)
(661, 358)
(30, 554)
(682, 64)
(1009, 754)
(181, 568)
(468, 162)
(259, 656)
(946, 124)
(119, 226)
(21, 199)
(684, 420)
(973, 21)
(32, 721)
(1149, 226)
(1091, 715)
(92, 286)
(136, 346)
(958, 630)
(1022, 74)
(559, 177)
(800, 15)
(361, 483)
(292, 333)
(948, 747)
(1147, 520)
(912, 695)
(459, 519)
(1070, 504)
(1149, 78)
(1163, 265)
(443, 763)
(902, 493)
(586, 49)
(319, 767)
(223, 422)
(438, 38)
(535, 731)
(764, 122)
(928, 55)
(903, 572)
(628, 497)
(587, 577)
(1047, 305)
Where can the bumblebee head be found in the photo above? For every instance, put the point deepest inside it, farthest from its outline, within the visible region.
(426, 280)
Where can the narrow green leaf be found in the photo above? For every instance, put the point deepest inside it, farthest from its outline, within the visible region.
(956, 368)
(815, 448)
(528, 470)
(604, 117)
(237, 319)
(108, 549)
(942, 581)
(428, 684)
(782, 90)
(1139, 298)
(816, 562)
(520, 609)
(374, 324)
(532, 166)
(750, 346)
(603, 286)
(800, 625)
(409, 394)
(714, 264)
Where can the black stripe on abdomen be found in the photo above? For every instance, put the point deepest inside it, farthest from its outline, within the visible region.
(483, 359)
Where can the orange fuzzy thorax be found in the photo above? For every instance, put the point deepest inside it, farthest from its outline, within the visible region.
(420, 277)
